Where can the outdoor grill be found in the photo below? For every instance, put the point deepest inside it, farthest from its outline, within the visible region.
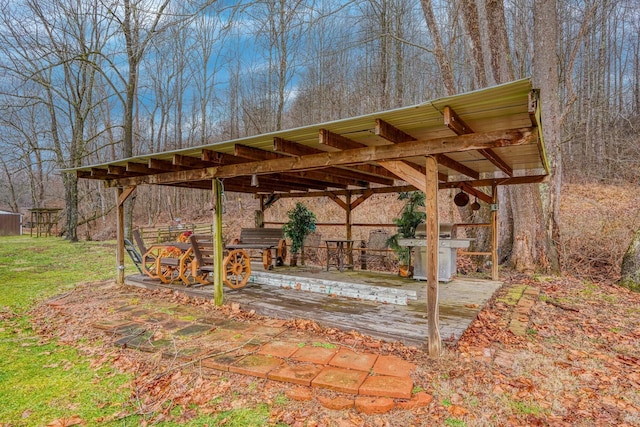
(447, 253)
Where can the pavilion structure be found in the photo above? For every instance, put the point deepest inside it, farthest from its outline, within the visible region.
(473, 142)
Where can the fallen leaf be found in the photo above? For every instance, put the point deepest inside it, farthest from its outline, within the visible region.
(67, 422)
(457, 410)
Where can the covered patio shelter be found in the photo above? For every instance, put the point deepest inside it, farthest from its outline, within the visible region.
(471, 142)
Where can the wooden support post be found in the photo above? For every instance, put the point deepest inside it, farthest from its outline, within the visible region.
(217, 242)
(120, 238)
(494, 232)
(347, 222)
(433, 318)
(122, 195)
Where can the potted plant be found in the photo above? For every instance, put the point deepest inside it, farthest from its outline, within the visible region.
(409, 219)
(302, 222)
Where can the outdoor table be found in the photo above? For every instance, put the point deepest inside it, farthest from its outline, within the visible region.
(337, 249)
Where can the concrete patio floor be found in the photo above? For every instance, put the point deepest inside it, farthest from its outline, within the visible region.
(459, 300)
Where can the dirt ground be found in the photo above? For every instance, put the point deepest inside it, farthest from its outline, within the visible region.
(577, 362)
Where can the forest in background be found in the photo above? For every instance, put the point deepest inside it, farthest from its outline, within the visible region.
(84, 82)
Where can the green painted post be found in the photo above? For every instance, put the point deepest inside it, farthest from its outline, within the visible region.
(217, 240)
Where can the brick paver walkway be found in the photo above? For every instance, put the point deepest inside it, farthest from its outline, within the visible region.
(375, 383)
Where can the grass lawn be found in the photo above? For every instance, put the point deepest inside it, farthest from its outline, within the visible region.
(41, 380)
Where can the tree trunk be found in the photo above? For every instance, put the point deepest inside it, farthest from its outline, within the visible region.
(630, 268)
(546, 78)
(443, 62)
(71, 205)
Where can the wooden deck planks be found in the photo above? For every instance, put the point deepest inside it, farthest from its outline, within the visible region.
(460, 302)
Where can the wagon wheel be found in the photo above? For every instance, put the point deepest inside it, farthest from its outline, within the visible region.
(197, 275)
(166, 273)
(281, 254)
(149, 260)
(267, 259)
(189, 273)
(237, 268)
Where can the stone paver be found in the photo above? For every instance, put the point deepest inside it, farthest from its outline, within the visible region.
(339, 379)
(256, 365)
(374, 405)
(312, 354)
(300, 394)
(222, 362)
(270, 350)
(348, 359)
(420, 400)
(336, 403)
(284, 349)
(110, 325)
(393, 366)
(387, 386)
(297, 374)
(193, 330)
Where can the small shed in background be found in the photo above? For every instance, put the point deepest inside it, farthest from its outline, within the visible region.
(10, 223)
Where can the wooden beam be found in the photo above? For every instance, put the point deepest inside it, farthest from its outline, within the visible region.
(340, 142)
(433, 231)
(455, 123)
(448, 162)
(163, 165)
(292, 148)
(494, 233)
(141, 168)
(391, 133)
(116, 170)
(190, 162)
(497, 161)
(364, 172)
(516, 180)
(476, 193)
(343, 158)
(405, 171)
(364, 196)
(220, 158)
(124, 195)
(331, 176)
(338, 200)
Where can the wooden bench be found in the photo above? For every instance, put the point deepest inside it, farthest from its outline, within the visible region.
(267, 240)
(236, 264)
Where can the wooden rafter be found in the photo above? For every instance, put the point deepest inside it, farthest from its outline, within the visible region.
(292, 148)
(221, 158)
(141, 168)
(474, 141)
(391, 133)
(340, 142)
(191, 162)
(447, 161)
(396, 136)
(326, 176)
(163, 165)
(493, 157)
(456, 124)
(408, 173)
(476, 193)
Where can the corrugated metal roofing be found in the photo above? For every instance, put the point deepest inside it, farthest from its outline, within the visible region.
(500, 107)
